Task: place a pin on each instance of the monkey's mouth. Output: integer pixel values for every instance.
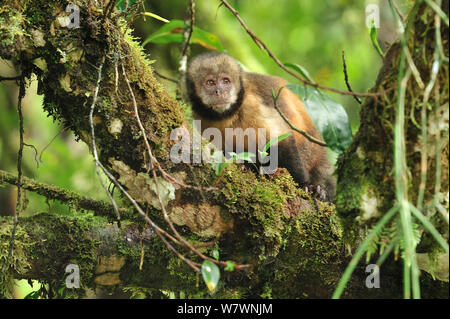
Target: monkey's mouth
(220, 107)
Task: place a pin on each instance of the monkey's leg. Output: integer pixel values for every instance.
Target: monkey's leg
(289, 158)
(325, 183)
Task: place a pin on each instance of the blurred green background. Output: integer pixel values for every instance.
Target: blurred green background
(310, 33)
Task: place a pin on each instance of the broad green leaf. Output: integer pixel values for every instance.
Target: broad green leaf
(328, 116)
(33, 295)
(172, 33)
(211, 274)
(373, 37)
(301, 70)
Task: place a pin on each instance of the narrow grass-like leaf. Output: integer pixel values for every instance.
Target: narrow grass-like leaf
(373, 37)
(275, 140)
(300, 70)
(215, 254)
(360, 252)
(430, 228)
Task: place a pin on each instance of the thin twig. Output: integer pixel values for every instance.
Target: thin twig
(19, 171)
(151, 159)
(305, 134)
(63, 195)
(99, 165)
(51, 141)
(189, 29)
(438, 10)
(187, 34)
(263, 46)
(152, 162)
(10, 78)
(165, 77)
(94, 147)
(35, 153)
(346, 78)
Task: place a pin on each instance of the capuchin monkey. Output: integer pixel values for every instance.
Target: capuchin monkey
(224, 96)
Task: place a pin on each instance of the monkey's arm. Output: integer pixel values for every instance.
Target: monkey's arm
(289, 158)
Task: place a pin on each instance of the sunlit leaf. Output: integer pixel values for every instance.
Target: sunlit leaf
(230, 266)
(172, 33)
(155, 16)
(300, 70)
(210, 274)
(275, 140)
(215, 254)
(244, 156)
(219, 167)
(373, 37)
(328, 116)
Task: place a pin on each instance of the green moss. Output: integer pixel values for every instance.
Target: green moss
(260, 202)
(18, 263)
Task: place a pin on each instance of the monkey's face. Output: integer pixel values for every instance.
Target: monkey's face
(215, 80)
(218, 91)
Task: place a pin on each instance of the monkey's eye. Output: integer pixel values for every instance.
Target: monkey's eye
(210, 82)
(226, 81)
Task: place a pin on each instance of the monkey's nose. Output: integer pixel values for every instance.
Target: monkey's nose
(217, 92)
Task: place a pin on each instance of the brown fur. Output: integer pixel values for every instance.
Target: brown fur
(307, 161)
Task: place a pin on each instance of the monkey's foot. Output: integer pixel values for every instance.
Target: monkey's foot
(317, 192)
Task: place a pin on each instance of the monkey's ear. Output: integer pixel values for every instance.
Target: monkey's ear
(242, 66)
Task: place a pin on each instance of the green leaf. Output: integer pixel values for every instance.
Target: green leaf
(211, 274)
(328, 116)
(275, 140)
(33, 295)
(301, 70)
(230, 266)
(244, 156)
(172, 33)
(373, 37)
(219, 167)
(215, 254)
(262, 155)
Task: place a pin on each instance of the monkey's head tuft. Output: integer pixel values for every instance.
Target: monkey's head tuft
(214, 84)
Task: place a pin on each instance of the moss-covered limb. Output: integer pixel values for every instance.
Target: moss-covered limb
(308, 266)
(66, 62)
(106, 255)
(366, 186)
(68, 197)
